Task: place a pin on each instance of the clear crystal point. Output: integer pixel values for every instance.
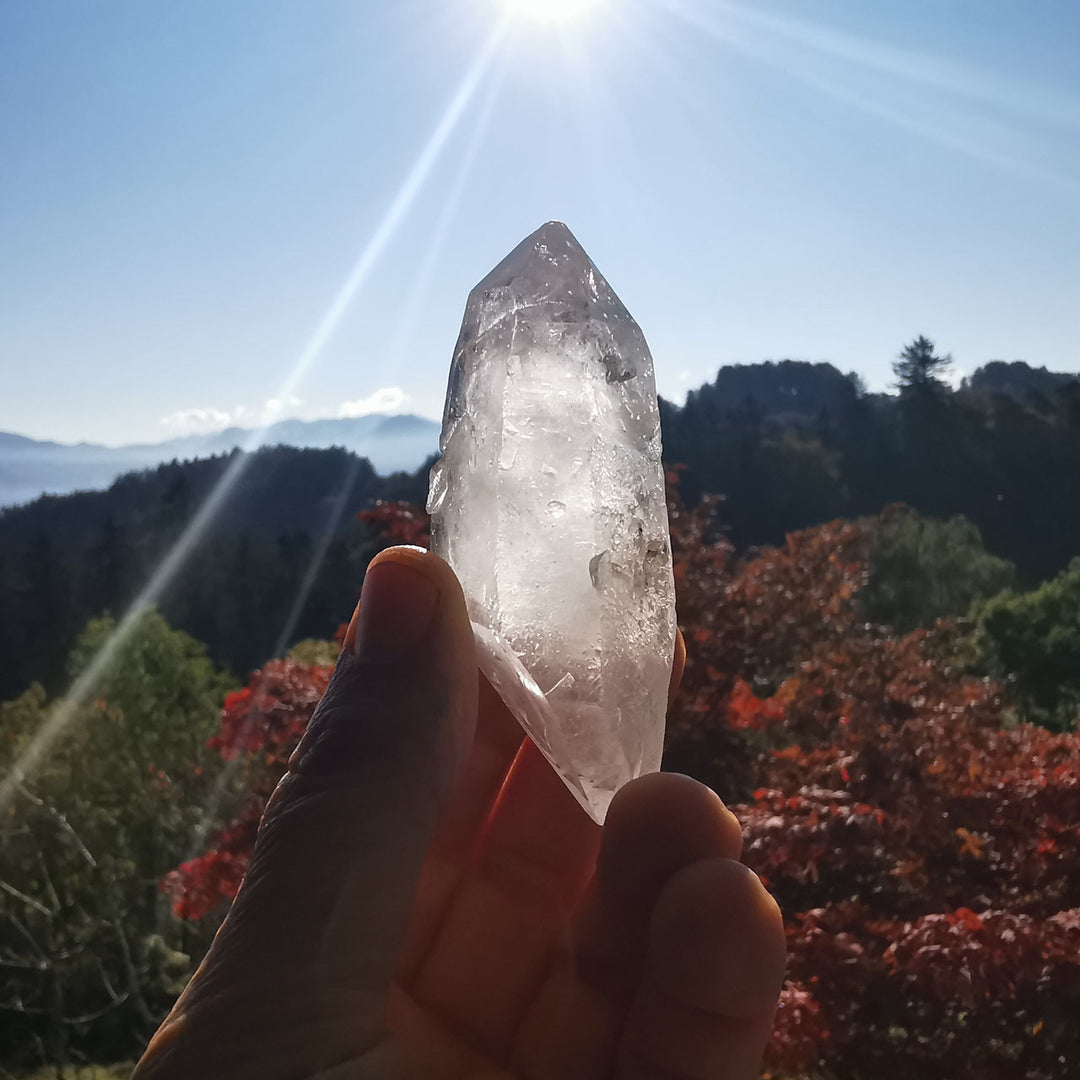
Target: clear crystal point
(548, 502)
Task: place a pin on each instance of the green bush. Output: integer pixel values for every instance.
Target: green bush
(922, 570)
(90, 956)
(1032, 639)
(314, 651)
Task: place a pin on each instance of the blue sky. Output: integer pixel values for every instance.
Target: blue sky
(186, 188)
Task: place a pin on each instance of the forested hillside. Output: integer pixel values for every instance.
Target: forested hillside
(246, 586)
(784, 445)
(792, 444)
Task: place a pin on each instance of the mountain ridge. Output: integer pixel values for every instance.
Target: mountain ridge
(32, 467)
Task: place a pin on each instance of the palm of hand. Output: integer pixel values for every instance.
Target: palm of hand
(547, 948)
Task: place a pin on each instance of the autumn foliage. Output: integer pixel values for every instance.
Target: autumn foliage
(260, 727)
(921, 842)
(922, 845)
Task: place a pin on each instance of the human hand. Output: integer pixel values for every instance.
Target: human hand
(426, 899)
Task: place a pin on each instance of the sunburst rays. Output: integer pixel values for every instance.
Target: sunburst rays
(84, 686)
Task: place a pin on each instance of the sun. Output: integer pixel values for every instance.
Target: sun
(551, 11)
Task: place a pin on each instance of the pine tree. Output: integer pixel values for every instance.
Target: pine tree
(920, 369)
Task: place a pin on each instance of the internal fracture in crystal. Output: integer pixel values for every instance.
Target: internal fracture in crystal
(548, 502)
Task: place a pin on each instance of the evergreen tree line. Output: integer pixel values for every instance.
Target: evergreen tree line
(282, 561)
(792, 444)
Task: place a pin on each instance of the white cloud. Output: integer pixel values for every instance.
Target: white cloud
(197, 421)
(387, 399)
(205, 421)
(276, 406)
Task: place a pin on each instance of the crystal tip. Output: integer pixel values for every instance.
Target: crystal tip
(552, 232)
(548, 256)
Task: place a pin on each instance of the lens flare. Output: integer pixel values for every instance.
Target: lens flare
(65, 711)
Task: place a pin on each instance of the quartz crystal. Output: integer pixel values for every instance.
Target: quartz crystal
(548, 502)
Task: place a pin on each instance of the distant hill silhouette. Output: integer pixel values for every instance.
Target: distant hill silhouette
(782, 388)
(1024, 383)
(32, 467)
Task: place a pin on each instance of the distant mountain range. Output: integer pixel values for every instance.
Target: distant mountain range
(30, 467)
(783, 390)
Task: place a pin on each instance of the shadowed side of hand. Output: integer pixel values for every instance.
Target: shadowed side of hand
(427, 899)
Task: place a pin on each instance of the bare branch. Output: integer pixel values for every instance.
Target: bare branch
(55, 899)
(28, 900)
(64, 823)
(134, 989)
(86, 1018)
(30, 939)
(22, 1009)
(24, 965)
(106, 981)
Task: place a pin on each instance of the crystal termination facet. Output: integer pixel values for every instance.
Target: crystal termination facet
(549, 503)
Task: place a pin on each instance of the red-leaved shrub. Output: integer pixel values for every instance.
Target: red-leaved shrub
(923, 847)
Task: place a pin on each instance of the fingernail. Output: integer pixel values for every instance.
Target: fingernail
(397, 609)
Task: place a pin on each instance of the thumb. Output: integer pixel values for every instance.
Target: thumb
(324, 905)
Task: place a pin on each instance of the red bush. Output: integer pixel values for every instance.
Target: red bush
(921, 846)
(260, 727)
